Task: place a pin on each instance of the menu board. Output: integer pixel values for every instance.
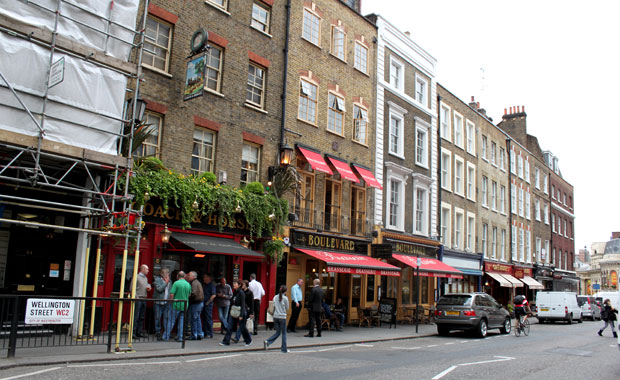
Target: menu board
(387, 311)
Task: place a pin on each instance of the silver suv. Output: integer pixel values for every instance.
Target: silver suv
(589, 308)
(476, 312)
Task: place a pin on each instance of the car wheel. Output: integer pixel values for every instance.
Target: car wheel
(505, 329)
(442, 331)
(580, 320)
(482, 328)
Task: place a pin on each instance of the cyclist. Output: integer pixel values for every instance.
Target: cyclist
(522, 308)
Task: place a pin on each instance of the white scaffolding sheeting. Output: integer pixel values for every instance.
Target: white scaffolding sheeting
(40, 13)
(80, 110)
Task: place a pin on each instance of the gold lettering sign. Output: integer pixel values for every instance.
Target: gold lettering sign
(211, 220)
(330, 242)
(409, 249)
(493, 267)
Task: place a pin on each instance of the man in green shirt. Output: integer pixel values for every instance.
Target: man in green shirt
(180, 292)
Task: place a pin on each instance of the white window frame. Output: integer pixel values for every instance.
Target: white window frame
(256, 87)
(458, 228)
(502, 250)
(528, 246)
(528, 205)
(221, 4)
(153, 141)
(459, 136)
(459, 177)
(494, 243)
(484, 185)
(258, 24)
(425, 209)
(308, 100)
(397, 81)
(527, 170)
(396, 173)
(423, 128)
(470, 234)
(502, 159)
(538, 247)
(493, 153)
(552, 191)
(421, 90)
(445, 128)
(513, 243)
(513, 162)
(537, 178)
(397, 113)
(259, 152)
(546, 184)
(360, 124)
(446, 224)
(470, 182)
(167, 49)
(513, 198)
(360, 60)
(202, 158)
(547, 253)
(446, 170)
(493, 195)
(520, 166)
(537, 209)
(484, 239)
(521, 201)
(521, 245)
(308, 31)
(546, 214)
(335, 115)
(502, 199)
(470, 130)
(340, 54)
(483, 148)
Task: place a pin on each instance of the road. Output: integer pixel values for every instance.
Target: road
(557, 351)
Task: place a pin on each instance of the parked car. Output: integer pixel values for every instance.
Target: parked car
(558, 306)
(589, 307)
(476, 312)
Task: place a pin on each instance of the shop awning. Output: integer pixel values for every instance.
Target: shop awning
(211, 244)
(513, 280)
(344, 170)
(429, 267)
(315, 160)
(531, 283)
(499, 278)
(354, 264)
(470, 272)
(368, 177)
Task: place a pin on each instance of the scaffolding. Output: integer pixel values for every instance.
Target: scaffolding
(40, 164)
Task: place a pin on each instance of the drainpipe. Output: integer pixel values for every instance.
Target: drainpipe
(284, 76)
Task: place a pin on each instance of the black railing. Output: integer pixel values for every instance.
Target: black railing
(334, 222)
(88, 328)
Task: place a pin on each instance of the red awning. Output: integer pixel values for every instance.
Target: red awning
(316, 161)
(368, 177)
(429, 267)
(344, 170)
(354, 264)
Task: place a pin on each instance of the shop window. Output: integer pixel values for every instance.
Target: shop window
(333, 207)
(424, 286)
(370, 288)
(304, 197)
(406, 289)
(356, 290)
(358, 210)
(390, 286)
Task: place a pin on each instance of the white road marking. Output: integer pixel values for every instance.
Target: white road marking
(364, 345)
(334, 348)
(119, 364)
(31, 373)
(406, 348)
(432, 345)
(449, 343)
(303, 351)
(212, 358)
(444, 373)
(452, 368)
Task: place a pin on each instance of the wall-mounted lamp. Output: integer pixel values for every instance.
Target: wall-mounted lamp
(165, 234)
(140, 108)
(245, 243)
(286, 155)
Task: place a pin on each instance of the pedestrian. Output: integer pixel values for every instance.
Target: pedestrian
(223, 294)
(249, 307)
(340, 311)
(280, 302)
(208, 290)
(315, 303)
(161, 291)
(180, 291)
(296, 297)
(609, 316)
(331, 317)
(196, 303)
(237, 316)
(258, 291)
(142, 287)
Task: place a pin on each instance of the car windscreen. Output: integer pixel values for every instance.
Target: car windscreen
(455, 300)
(583, 300)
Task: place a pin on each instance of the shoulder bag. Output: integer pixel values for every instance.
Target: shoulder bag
(235, 311)
(272, 307)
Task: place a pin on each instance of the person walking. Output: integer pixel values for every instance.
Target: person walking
(237, 316)
(196, 303)
(142, 287)
(180, 291)
(297, 304)
(249, 307)
(609, 316)
(280, 302)
(223, 294)
(258, 291)
(208, 290)
(162, 285)
(315, 304)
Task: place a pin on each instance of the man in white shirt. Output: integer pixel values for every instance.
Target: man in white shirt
(258, 291)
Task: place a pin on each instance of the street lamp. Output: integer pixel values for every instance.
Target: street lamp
(165, 234)
(286, 155)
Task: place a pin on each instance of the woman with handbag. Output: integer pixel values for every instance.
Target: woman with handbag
(609, 316)
(249, 308)
(280, 307)
(237, 316)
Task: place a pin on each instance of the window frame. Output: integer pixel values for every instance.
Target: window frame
(145, 144)
(301, 202)
(421, 127)
(493, 252)
(311, 36)
(362, 109)
(483, 148)
(310, 101)
(335, 182)
(399, 203)
(493, 153)
(470, 234)
(422, 83)
(446, 225)
(446, 170)
(332, 113)
(493, 195)
(223, 6)
(210, 161)
(485, 239)
(425, 210)
(470, 182)
(470, 130)
(267, 24)
(396, 112)
(167, 49)
(459, 138)
(502, 159)
(458, 241)
(446, 122)
(357, 57)
(397, 82)
(332, 43)
(459, 177)
(484, 189)
(355, 212)
(256, 67)
(209, 68)
(259, 149)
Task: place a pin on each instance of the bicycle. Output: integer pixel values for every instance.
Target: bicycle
(522, 327)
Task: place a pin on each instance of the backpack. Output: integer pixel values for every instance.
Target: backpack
(518, 300)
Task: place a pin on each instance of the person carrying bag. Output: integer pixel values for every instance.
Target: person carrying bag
(609, 316)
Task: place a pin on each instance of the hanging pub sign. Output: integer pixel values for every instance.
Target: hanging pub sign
(195, 77)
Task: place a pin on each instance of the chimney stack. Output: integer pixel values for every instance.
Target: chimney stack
(473, 104)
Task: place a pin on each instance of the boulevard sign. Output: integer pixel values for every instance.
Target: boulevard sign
(49, 311)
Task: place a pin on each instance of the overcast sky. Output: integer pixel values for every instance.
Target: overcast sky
(559, 59)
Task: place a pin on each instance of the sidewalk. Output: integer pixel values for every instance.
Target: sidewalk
(80, 354)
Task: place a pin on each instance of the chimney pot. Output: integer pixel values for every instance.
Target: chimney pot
(523, 108)
(511, 111)
(505, 111)
(472, 98)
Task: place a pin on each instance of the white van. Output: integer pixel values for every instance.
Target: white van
(558, 306)
(614, 297)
